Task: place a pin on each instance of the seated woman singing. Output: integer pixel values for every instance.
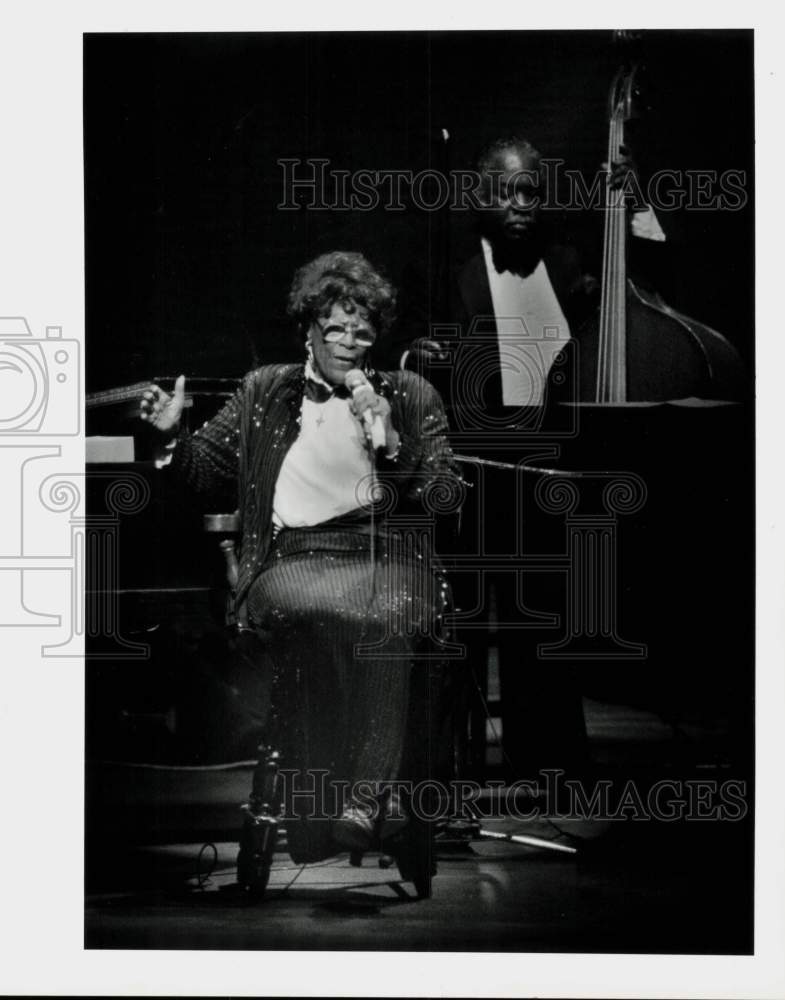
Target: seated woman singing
(340, 472)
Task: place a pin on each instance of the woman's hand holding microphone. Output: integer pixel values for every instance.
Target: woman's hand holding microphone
(373, 412)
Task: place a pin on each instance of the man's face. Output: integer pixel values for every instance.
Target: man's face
(340, 341)
(510, 189)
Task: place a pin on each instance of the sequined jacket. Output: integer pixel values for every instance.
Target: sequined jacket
(244, 445)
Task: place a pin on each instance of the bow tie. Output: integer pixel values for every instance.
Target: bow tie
(318, 392)
(518, 260)
(522, 268)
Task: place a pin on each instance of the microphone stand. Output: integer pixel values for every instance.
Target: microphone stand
(468, 830)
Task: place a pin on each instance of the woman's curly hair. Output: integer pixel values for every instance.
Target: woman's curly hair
(344, 277)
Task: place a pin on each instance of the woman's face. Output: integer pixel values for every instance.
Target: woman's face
(340, 342)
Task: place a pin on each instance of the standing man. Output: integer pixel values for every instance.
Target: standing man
(520, 286)
(497, 340)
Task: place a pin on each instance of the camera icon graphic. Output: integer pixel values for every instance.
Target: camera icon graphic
(39, 380)
(504, 357)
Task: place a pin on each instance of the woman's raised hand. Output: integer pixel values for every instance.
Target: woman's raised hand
(161, 410)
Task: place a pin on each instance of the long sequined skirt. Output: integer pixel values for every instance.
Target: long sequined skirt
(354, 623)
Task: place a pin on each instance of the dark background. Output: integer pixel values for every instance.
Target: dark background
(188, 263)
(188, 259)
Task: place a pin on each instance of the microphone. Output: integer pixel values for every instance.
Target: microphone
(355, 381)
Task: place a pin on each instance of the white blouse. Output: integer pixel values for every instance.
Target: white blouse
(328, 470)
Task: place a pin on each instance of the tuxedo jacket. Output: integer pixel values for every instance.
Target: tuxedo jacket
(460, 315)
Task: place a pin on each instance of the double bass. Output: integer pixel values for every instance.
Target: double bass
(641, 350)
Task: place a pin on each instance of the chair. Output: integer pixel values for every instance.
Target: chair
(413, 848)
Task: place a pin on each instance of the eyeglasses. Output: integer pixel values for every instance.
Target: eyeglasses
(333, 333)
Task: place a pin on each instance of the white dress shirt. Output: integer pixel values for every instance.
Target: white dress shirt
(530, 324)
(531, 329)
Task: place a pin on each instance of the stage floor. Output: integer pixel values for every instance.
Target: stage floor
(649, 887)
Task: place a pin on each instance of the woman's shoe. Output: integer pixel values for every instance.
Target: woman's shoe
(354, 830)
(358, 831)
